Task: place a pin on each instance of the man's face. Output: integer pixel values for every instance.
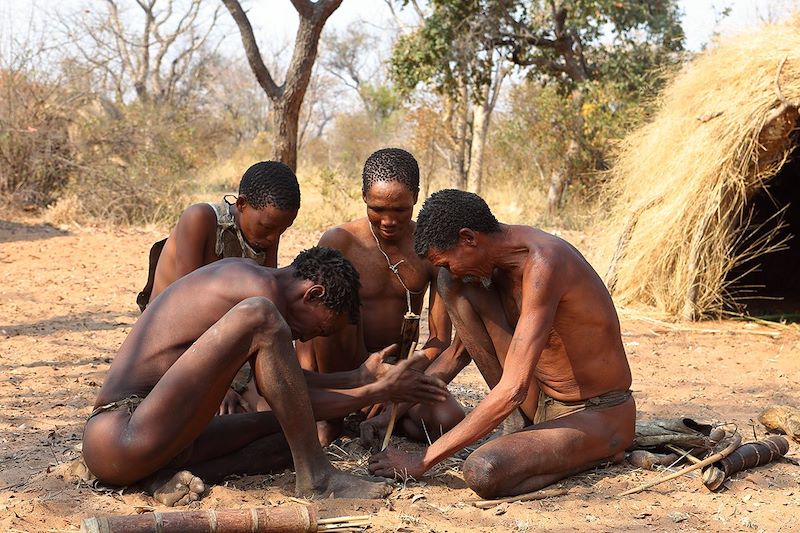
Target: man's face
(464, 262)
(316, 320)
(390, 205)
(262, 228)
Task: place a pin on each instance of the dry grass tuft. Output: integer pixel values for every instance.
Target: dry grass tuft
(680, 185)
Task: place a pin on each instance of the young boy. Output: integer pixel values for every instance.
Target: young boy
(268, 201)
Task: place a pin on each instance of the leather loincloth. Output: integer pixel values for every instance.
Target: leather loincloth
(130, 403)
(550, 408)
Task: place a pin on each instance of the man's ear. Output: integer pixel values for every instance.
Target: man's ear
(314, 294)
(467, 237)
(241, 201)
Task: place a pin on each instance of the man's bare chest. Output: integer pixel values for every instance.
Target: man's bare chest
(380, 278)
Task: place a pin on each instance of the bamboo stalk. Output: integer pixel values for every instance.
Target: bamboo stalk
(527, 497)
(736, 441)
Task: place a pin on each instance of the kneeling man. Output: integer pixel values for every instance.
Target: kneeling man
(542, 329)
(156, 408)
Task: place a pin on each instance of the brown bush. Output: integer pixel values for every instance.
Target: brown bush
(35, 153)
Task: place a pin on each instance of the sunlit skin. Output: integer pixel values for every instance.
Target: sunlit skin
(181, 356)
(390, 207)
(191, 244)
(546, 322)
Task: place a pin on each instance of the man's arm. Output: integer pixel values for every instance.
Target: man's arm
(196, 225)
(540, 298)
(399, 383)
(439, 325)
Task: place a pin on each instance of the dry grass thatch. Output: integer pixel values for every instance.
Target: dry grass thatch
(680, 185)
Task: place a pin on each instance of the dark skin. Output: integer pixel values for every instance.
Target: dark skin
(390, 206)
(191, 245)
(546, 323)
(181, 357)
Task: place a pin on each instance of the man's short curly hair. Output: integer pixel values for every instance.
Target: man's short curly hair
(391, 164)
(445, 213)
(329, 268)
(270, 183)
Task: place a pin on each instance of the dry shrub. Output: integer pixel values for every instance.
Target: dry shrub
(35, 154)
(222, 176)
(330, 196)
(680, 184)
(138, 166)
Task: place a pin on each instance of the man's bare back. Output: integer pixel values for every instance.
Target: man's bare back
(156, 408)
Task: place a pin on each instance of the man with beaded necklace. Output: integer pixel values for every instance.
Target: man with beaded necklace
(394, 281)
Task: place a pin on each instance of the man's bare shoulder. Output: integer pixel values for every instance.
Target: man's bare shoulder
(344, 236)
(242, 277)
(198, 218)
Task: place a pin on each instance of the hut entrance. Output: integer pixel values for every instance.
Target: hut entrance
(769, 285)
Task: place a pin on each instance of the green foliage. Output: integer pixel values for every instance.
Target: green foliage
(616, 40)
(453, 47)
(382, 100)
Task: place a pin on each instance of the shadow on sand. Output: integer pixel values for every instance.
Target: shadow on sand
(18, 231)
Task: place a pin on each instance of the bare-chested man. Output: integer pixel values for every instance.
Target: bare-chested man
(542, 329)
(156, 407)
(393, 281)
(269, 197)
(267, 204)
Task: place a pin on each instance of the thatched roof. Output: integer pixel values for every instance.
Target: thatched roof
(679, 186)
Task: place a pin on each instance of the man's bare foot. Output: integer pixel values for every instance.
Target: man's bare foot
(338, 484)
(174, 489)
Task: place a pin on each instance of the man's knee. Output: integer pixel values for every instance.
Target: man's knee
(483, 474)
(445, 416)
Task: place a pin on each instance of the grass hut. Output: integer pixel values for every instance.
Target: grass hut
(705, 199)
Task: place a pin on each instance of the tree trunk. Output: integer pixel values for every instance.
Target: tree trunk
(560, 178)
(460, 148)
(284, 141)
(287, 98)
(480, 130)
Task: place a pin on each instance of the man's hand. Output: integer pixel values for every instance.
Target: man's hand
(393, 463)
(233, 403)
(374, 368)
(373, 429)
(402, 383)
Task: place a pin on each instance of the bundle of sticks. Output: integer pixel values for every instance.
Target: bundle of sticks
(289, 518)
(719, 466)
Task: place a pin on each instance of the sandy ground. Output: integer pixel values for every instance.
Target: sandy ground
(67, 299)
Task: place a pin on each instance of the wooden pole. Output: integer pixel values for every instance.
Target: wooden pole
(291, 518)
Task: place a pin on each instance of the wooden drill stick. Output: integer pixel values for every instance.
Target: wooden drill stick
(408, 342)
